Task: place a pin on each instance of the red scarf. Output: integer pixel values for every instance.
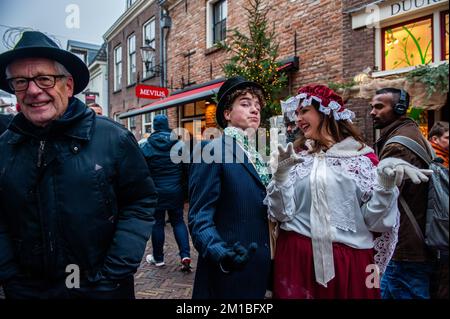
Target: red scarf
(440, 152)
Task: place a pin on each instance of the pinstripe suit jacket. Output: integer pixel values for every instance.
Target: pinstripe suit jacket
(226, 206)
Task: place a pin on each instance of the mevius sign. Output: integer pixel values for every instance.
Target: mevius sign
(151, 92)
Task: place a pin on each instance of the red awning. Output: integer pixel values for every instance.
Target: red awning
(180, 98)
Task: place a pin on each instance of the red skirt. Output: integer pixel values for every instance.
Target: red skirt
(294, 276)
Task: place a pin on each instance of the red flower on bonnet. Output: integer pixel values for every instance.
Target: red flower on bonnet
(328, 100)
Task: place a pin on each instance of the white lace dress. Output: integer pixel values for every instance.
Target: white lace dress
(333, 196)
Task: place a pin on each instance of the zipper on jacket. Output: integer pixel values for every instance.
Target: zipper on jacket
(50, 240)
(40, 153)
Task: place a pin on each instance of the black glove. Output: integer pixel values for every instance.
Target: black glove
(237, 257)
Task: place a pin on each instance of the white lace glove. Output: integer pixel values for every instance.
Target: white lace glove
(281, 162)
(392, 171)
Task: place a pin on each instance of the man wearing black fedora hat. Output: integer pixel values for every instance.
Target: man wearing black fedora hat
(76, 197)
(227, 217)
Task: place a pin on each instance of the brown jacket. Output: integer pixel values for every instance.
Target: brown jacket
(409, 246)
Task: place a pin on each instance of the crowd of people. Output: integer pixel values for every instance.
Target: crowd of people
(323, 218)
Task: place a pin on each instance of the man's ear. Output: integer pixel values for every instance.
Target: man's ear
(69, 85)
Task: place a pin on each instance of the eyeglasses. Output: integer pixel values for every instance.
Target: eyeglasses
(42, 81)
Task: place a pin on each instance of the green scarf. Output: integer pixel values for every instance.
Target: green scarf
(256, 158)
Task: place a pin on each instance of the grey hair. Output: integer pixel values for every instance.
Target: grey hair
(60, 69)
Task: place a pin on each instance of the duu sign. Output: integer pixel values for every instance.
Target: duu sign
(408, 5)
(376, 12)
(151, 92)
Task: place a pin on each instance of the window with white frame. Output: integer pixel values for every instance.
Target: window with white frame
(117, 68)
(444, 35)
(216, 16)
(149, 40)
(131, 59)
(130, 3)
(132, 124)
(147, 121)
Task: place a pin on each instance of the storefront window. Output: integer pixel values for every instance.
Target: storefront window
(194, 114)
(189, 110)
(191, 129)
(194, 109)
(408, 44)
(132, 124)
(147, 121)
(444, 35)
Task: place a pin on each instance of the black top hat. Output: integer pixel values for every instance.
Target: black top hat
(228, 87)
(34, 44)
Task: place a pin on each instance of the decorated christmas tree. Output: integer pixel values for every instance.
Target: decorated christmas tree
(255, 54)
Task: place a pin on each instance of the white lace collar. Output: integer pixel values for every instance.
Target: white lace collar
(349, 147)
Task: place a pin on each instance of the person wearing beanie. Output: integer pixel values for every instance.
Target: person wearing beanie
(227, 216)
(168, 177)
(330, 199)
(76, 197)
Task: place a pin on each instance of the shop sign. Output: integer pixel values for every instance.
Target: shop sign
(151, 92)
(372, 14)
(90, 98)
(410, 5)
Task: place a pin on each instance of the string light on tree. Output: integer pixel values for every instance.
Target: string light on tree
(255, 55)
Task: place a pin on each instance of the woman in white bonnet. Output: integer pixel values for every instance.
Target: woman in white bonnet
(335, 203)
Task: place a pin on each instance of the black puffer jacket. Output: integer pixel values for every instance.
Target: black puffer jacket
(5, 119)
(77, 192)
(167, 174)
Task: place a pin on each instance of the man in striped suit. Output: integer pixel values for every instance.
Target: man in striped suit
(227, 217)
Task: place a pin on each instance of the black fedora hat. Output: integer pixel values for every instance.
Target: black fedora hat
(228, 87)
(35, 44)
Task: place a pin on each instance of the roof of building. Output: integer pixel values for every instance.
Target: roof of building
(101, 54)
(91, 49)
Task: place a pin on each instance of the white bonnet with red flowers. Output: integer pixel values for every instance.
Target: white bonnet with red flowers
(328, 100)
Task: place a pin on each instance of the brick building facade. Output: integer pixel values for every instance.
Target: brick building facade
(378, 38)
(122, 97)
(320, 33)
(301, 23)
(358, 54)
(192, 61)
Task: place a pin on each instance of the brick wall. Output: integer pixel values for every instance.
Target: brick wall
(358, 54)
(328, 49)
(188, 34)
(172, 114)
(125, 99)
(318, 45)
(320, 61)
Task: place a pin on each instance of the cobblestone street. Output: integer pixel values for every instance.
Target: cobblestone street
(167, 282)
